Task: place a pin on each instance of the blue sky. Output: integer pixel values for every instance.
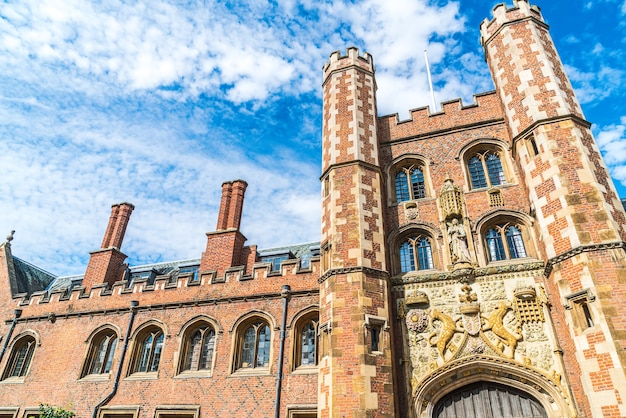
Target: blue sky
(159, 102)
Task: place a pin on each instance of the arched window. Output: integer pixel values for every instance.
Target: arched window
(306, 340)
(485, 169)
(505, 241)
(198, 348)
(416, 254)
(253, 345)
(20, 358)
(410, 184)
(147, 353)
(101, 351)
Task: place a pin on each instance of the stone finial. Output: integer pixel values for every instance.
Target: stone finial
(10, 237)
(451, 200)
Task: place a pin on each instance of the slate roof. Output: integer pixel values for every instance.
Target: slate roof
(30, 278)
(302, 251)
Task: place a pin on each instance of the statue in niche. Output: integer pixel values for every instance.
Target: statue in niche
(458, 242)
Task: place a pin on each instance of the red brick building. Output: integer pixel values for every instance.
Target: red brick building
(471, 263)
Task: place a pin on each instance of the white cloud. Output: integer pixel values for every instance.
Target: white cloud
(592, 86)
(612, 142)
(158, 103)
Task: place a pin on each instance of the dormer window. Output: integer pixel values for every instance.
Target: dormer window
(275, 259)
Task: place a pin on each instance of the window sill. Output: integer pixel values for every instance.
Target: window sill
(259, 371)
(484, 189)
(96, 377)
(305, 370)
(509, 261)
(14, 380)
(143, 376)
(189, 374)
(403, 202)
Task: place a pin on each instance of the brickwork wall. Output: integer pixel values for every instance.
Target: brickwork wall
(64, 345)
(353, 380)
(105, 266)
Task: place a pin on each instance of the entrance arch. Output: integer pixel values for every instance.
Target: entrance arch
(488, 400)
(457, 375)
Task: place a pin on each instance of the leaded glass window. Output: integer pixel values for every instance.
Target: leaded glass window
(101, 353)
(149, 353)
(21, 357)
(410, 184)
(199, 349)
(485, 170)
(416, 254)
(505, 241)
(255, 346)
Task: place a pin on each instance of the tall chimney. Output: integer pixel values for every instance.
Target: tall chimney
(236, 204)
(225, 246)
(106, 265)
(222, 217)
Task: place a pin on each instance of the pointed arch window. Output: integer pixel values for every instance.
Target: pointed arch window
(306, 341)
(254, 345)
(21, 357)
(147, 354)
(505, 241)
(100, 355)
(416, 254)
(199, 348)
(485, 169)
(410, 184)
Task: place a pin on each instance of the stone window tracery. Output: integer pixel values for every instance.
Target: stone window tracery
(410, 184)
(505, 241)
(20, 358)
(101, 352)
(253, 345)
(198, 348)
(486, 165)
(306, 340)
(148, 349)
(416, 254)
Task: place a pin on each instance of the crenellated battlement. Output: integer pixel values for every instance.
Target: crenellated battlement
(352, 58)
(502, 15)
(453, 115)
(185, 287)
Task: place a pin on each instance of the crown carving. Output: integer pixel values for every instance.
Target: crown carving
(417, 298)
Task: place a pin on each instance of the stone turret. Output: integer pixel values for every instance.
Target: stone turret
(577, 208)
(355, 369)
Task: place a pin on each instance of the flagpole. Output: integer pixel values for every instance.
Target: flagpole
(430, 83)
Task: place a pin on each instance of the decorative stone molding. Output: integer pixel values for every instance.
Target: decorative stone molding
(357, 269)
(579, 250)
(468, 273)
(451, 200)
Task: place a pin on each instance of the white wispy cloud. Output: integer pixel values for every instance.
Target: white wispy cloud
(158, 102)
(612, 142)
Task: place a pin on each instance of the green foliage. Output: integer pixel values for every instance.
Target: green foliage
(47, 411)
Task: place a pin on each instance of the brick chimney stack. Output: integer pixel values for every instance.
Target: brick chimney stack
(225, 246)
(114, 235)
(231, 205)
(106, 265)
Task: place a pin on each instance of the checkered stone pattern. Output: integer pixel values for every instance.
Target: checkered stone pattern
(352, 213)
(575, 202)
(527, 70)
(353, 380)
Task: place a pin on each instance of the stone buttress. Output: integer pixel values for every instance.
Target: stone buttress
(579, 216)
(355, 369)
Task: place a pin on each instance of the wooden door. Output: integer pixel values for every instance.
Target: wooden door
(488, 400)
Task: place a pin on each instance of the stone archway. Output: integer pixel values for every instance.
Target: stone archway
(488, 400)
(457, 375)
